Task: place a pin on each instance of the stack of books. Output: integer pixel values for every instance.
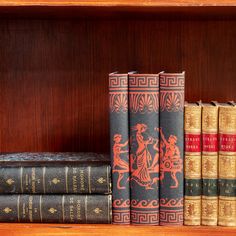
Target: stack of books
(55, 188)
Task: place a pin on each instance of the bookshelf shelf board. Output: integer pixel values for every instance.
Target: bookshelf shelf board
(68, 229)
(215, 9)
(131, 3)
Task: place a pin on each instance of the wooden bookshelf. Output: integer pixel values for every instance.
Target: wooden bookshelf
(56, 55)
(65, 229)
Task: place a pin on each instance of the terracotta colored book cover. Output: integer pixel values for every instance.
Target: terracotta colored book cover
(144, 148)
(119, 147)
(209, 163)
(192, 164)
(227, 165)
(171, 148)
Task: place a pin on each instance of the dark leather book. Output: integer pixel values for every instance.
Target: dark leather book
(56, 209)
(56, 180)
(53, 158)
(144, 148)
(171, 148)
(119, 147)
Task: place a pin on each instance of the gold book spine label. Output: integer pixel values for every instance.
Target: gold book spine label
(192, 210)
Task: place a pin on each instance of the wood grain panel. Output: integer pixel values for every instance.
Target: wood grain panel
(53, 73)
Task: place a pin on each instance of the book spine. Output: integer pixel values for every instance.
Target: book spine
(209, 165)
(144, 148)
(55, 180)
(192, 164)
(119, 147)
(171, 148)
(55, 208)
(227, 166)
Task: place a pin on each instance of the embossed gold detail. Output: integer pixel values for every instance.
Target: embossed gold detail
(209, 210)
(193, 118)
(55, 181)
(227, 212)
(209, 166)
(52, 210)
(97, 210)
(227, 119)
(192, 210)
(101, 180)
(227, 166)
(10, 181)
(209, 119)
(7, 210)
(192, 167)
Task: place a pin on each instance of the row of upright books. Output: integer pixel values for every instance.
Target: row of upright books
(210, 164)
(173, 181)
(55, 188)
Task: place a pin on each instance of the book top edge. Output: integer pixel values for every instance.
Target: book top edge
(41, 158)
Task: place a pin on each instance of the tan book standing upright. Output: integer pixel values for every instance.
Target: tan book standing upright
(192, 199)
(227, 165)
(209, 163)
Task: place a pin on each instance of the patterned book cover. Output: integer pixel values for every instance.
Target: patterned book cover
(119, 147)
(75, 208)
(227, 165)
(144, 148)
(171, 148)
(192, 164)
(209, 164)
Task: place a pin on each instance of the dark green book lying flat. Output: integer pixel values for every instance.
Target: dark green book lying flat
(56, 209)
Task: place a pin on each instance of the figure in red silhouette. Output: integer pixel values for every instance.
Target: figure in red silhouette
(143, 158)
(123, 166)
(171, 160)
(155, 164)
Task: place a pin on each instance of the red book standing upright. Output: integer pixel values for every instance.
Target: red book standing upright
(171, 148)
(119, 146)
(144, 148)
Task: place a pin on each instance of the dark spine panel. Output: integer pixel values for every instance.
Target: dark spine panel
(55, 180)
(171, 148)
(144, 148)
(119, 147)
(56, 208)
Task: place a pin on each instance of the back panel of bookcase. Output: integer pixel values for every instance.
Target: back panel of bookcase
(53, 73)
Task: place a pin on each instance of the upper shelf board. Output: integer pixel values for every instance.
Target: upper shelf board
(121, 3)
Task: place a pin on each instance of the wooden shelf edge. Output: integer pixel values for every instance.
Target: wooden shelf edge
(76, 229)
(120, 3)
